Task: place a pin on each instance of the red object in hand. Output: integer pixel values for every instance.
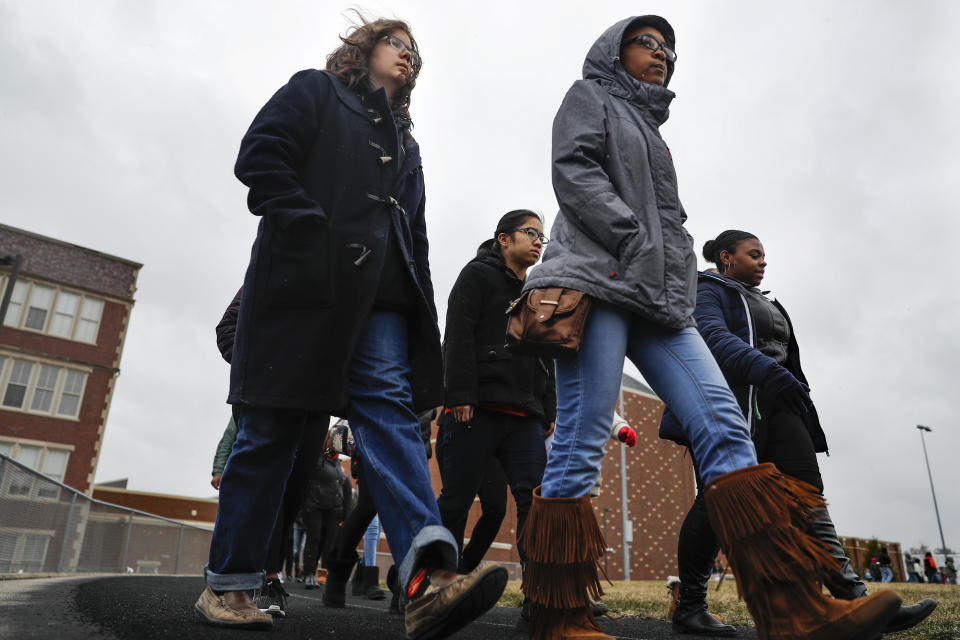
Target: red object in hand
(627, 436)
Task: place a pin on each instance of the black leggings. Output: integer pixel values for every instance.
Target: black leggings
(493, 505)
(359, 519)
(466, 448)
(780, 437)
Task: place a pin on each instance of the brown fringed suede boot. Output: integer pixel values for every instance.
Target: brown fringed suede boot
(759, 517)
(563, 544)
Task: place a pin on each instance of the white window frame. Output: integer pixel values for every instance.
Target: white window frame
(33, 492)
(83, 298)
(20, 543)
(6, 366)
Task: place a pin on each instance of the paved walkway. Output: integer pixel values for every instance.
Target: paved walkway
(149, 607)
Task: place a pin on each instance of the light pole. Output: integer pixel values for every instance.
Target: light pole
(606, 554)
(943, 544)
(627, 535)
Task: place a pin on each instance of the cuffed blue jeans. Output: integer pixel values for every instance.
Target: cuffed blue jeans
(682, 372)
(387, 433)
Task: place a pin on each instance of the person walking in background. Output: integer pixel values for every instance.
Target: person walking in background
(355, 527)
(753, 341)
(909, 562)
(619, 239)
(499, 405)
(337, 316)
(886, 573)
(224, 447)
(949, 571)
(930, 568)
(323, 511)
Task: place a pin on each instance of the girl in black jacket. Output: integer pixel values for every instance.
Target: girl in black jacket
(753, 340)
(498, 404)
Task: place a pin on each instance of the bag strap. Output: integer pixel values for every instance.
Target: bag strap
(549, 303)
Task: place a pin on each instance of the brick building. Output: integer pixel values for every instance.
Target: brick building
(60, 347)
(196, 511)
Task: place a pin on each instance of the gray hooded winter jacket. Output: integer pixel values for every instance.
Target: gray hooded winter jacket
(619, 235)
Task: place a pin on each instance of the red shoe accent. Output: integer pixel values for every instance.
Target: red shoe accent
(416, 583)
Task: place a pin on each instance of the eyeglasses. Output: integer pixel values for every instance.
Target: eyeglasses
(533, 234)
(653, 44)
(402, 47)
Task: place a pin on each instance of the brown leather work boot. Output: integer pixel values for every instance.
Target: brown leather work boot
(437, 612)
(231, 609)
(757, 514)
(563, 544)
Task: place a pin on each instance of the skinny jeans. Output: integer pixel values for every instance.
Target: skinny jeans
(682, 372)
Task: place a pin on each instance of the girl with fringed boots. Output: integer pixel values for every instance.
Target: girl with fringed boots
(619, 238)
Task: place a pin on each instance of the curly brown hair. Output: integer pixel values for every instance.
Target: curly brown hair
(349, 61)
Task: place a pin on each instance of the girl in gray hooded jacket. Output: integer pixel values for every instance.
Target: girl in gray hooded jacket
(619, 237)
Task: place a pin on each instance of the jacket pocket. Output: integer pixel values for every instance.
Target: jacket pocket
(493, 362)
(299, 273)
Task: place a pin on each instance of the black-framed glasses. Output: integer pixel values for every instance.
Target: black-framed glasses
(648, 41)
(401, 46)
(533, 234)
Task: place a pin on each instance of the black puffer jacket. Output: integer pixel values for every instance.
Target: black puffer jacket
(478, 368)
(327, 486)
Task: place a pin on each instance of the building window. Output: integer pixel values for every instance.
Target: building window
(23, 551)
(12, 319)
(64, 314)
(45, 388)
(40, 387)
(57, 312)
(48, 460)
(38, 308)
(72, 392)
(17, 383)
(89, 323)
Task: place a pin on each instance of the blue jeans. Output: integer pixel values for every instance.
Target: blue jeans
(251, 492)
(388, 434)
(370, 541)
(681, 370)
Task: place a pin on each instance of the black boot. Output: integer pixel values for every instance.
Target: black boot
(338, 573)
(371, 583)
(393, 583)
(843, 584)
(696, 551)
(691, 615)
(356, 584)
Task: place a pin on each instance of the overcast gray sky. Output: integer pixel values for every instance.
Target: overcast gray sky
(829, 129)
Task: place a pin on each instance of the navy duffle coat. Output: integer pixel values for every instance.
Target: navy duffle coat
(331, 174)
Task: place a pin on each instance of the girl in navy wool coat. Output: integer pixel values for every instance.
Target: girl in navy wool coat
(337, 317)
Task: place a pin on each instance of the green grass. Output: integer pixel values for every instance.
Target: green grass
(649, 599)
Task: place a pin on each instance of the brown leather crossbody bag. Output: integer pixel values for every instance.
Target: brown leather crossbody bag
(547, 322)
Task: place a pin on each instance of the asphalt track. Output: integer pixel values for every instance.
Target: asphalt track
(149, 607)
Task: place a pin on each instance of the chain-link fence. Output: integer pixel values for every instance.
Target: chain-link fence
(48, 527)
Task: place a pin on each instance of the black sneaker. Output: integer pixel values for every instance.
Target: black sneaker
(272, 598)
